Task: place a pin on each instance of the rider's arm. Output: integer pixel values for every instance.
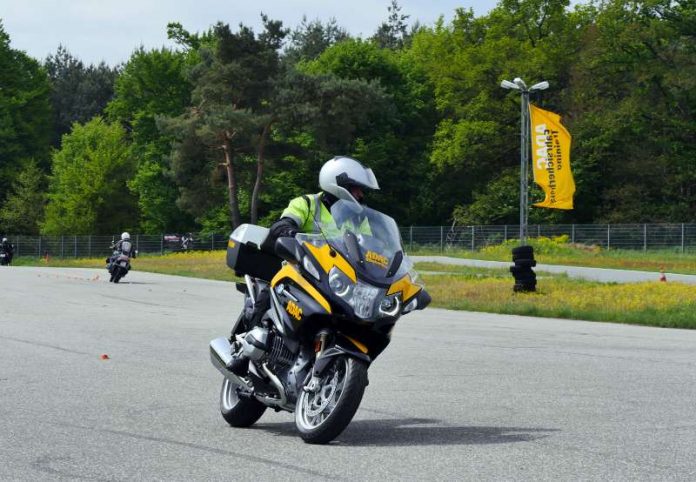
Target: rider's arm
(283, 228)
(298, 211)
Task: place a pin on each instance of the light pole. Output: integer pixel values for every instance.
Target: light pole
(518, 84)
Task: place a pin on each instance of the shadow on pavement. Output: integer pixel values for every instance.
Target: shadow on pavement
(418, 431)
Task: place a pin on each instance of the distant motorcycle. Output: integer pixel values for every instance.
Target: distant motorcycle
(118, 267)
(187, 242)
(118, 264)
(6, 252)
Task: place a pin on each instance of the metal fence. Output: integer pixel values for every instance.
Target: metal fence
(677, 237)
(97, 246)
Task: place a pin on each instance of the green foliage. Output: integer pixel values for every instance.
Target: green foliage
(78, 93)
(25, 113)
(632, 93)
(393, 138)
(233, 121)
(24, 208)
(153, 83)
(392, 33)
(311, 38)
(87, 192)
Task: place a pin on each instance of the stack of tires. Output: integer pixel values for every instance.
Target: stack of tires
(525, 278)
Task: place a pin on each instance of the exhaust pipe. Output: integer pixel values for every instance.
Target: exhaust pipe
(221, 357)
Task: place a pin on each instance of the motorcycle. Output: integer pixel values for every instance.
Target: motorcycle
(118, 266)
(4, 258)
(335, 299)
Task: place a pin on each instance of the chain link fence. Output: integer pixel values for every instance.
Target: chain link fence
(677, 237)
(98, 246)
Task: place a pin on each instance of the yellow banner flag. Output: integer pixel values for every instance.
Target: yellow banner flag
(551, 159)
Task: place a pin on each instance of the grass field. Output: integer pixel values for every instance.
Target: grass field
(476, 289)
(197, 264)
(558, 296)
(550, 251)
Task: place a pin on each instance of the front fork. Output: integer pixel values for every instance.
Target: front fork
(327, 347)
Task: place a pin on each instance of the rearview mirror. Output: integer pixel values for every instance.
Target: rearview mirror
(288, 249)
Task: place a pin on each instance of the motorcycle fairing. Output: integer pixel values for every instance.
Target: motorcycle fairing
(289, 272)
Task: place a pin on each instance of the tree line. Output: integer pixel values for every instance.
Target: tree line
(232, 123)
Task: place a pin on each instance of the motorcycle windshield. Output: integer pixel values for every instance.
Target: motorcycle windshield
(369, 239)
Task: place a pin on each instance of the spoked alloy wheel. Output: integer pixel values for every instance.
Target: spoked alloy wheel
(322, 415)
(238, 411)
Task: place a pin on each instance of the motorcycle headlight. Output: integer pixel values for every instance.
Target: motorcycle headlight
(390, 305)
(412, 305)
(339, 283)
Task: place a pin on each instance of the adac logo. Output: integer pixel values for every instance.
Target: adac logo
(374, 258)
(294, 310)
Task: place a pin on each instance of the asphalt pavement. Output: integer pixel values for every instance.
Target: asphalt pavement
(595, 274)
(456, 396)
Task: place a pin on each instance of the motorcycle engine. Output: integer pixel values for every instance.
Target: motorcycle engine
(279, 356)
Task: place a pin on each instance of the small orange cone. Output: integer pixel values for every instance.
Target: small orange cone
(104, 356)
(662, 274)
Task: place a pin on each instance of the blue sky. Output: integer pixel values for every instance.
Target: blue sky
(96, 30)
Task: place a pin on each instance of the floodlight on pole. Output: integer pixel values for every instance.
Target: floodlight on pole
(540, 86)
(519, 85)
(506, 84)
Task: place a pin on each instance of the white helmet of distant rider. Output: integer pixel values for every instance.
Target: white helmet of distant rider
(346, 178)
(125, 235)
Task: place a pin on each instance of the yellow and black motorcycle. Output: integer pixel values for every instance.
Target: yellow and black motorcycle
(335, 298)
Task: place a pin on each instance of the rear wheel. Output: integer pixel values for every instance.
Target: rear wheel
(237, 410)
(322, 414)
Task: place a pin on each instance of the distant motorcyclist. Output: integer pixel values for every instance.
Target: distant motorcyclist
(187, 241)
(123, 246)
(7, 248)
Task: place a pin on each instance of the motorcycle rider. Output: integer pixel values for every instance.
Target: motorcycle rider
(187, 241)
(8, 249)
(123, 246)
(339, 178)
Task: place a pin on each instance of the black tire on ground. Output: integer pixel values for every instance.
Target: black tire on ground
(520, 270)
(348, 403)
(118, 273)
(525, 278)
(523, 288)
(523, 250)
(244, 413)
(529, 263)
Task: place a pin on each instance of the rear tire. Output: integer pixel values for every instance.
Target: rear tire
(320, 426)
(238, 411)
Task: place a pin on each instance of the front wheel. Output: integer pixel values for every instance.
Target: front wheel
(322, 414)
(237, 410)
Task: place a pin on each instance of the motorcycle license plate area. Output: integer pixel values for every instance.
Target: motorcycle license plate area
(364, 300)
(123, 263)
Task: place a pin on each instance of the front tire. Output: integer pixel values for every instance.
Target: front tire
(238, 411)
(321, 416)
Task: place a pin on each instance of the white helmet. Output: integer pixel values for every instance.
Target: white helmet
(125, 235)
(342, 172)
(4, 240)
